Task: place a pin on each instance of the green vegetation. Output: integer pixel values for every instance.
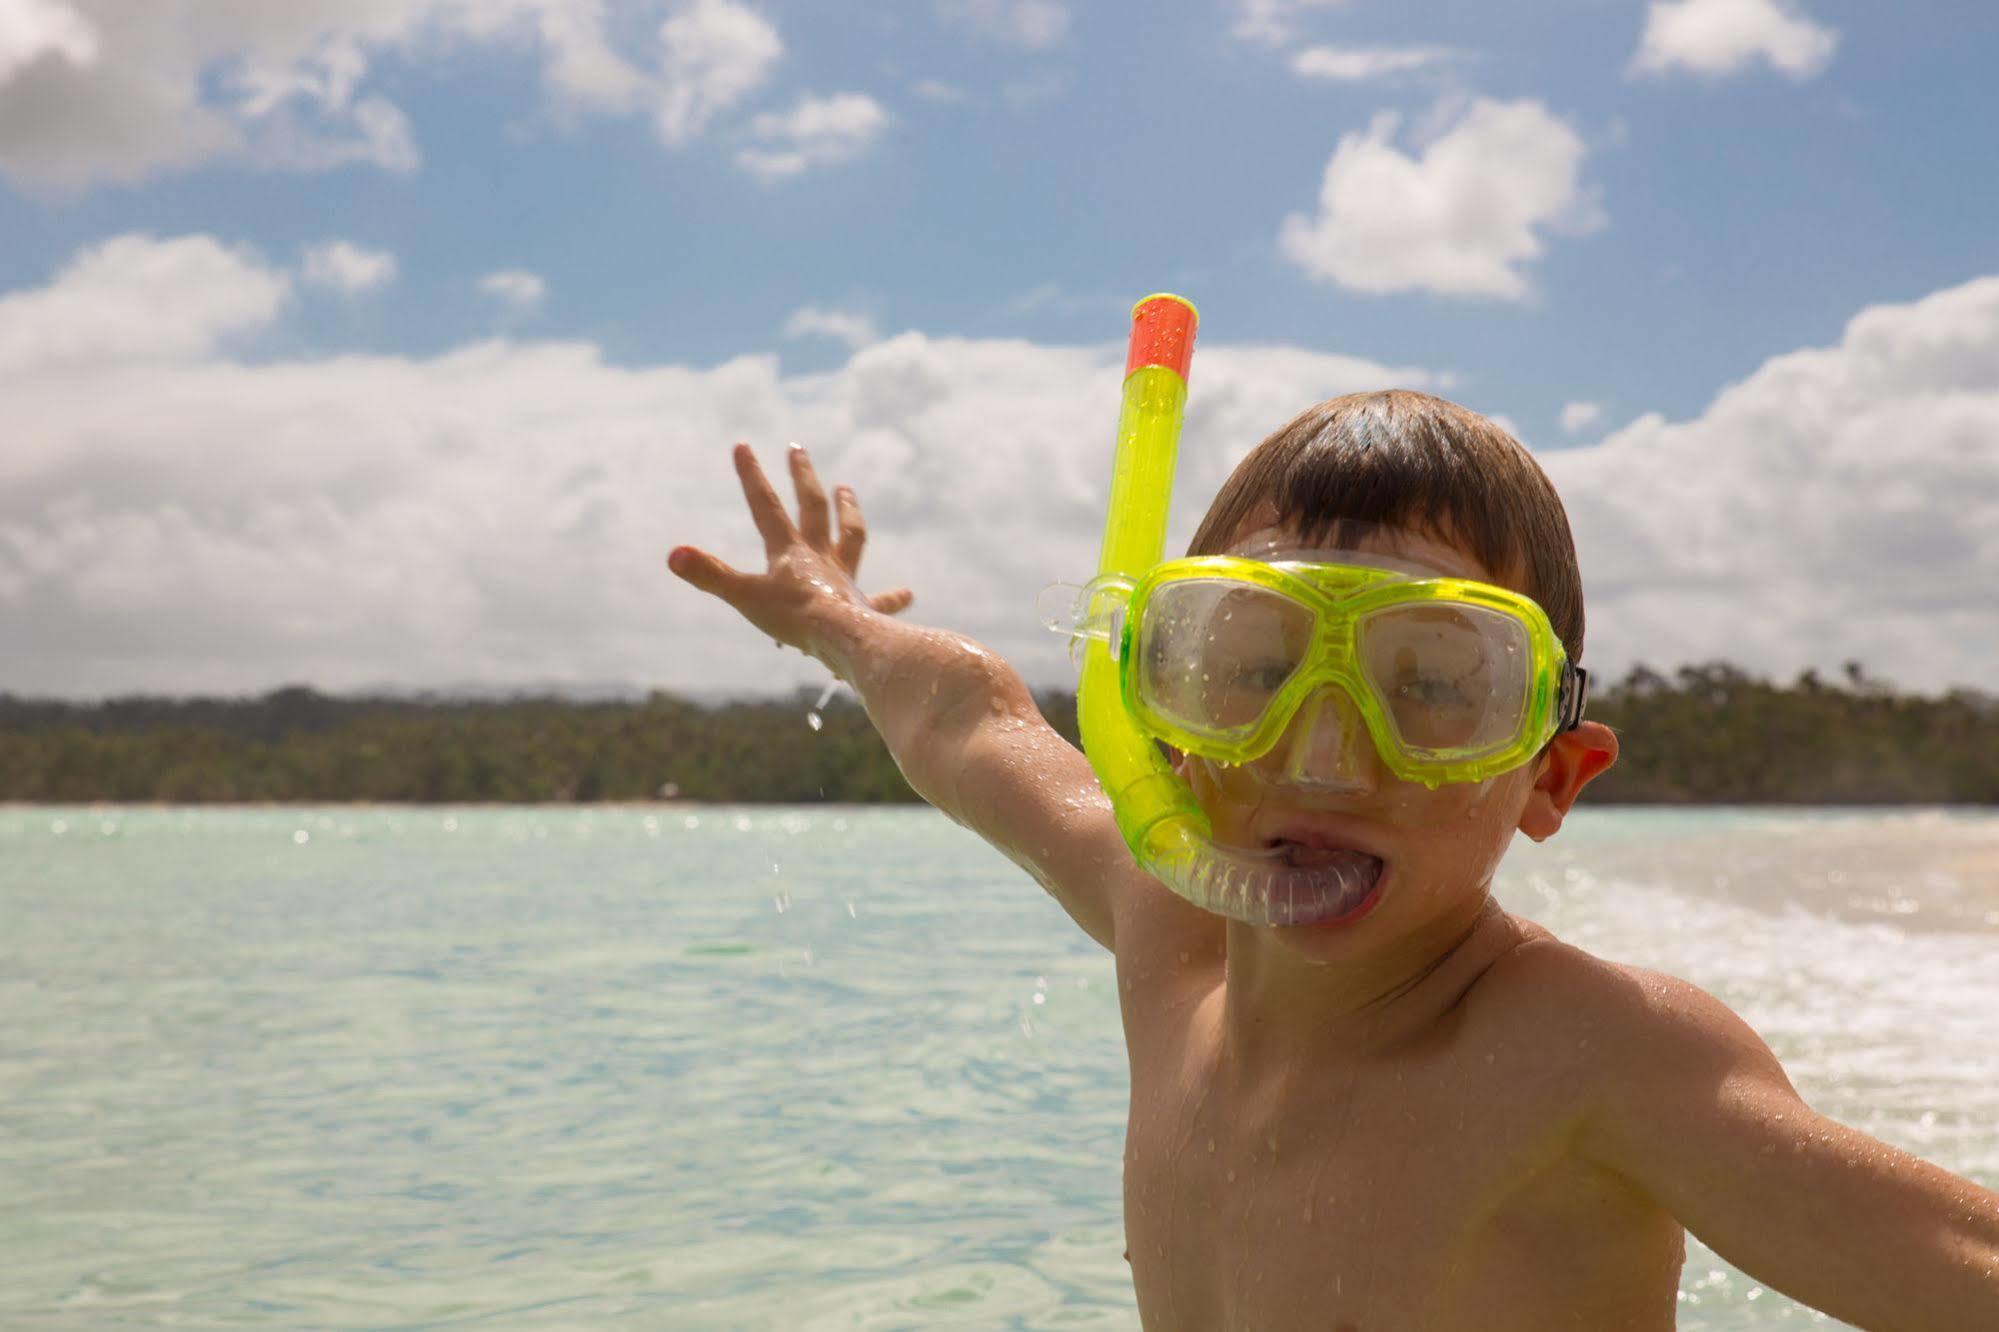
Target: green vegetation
(1707, 734)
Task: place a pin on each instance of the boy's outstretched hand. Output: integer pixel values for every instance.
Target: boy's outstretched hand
(812, 566)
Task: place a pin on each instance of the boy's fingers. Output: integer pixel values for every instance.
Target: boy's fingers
(707, 573)
(765, 507)
(853, 530)
(892, 602)
(814, 523)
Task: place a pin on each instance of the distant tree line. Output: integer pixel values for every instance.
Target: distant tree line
(1705, 734)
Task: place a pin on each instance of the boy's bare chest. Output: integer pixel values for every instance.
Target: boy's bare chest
(1407, 1197)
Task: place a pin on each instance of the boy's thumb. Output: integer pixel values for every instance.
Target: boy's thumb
(703, 570)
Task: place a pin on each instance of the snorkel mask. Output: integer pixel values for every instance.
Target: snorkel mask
(1405, 681)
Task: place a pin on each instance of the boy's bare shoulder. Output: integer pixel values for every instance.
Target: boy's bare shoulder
(1597, 1017)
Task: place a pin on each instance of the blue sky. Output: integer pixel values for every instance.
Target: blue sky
(248, 269)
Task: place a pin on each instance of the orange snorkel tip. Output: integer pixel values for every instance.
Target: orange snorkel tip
(1162, 334)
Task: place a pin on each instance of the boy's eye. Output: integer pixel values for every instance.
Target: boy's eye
(1432, 691)
(1267, 676)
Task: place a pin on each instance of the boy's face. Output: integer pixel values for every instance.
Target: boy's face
(1438, 847)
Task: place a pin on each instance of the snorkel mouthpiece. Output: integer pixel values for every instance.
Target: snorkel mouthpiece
(1161, 821)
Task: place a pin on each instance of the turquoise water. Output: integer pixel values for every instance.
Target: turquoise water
(764, 1068)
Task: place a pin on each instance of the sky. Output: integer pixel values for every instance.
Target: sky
(393, 343)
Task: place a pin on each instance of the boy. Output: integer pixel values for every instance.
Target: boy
(1421, 1112)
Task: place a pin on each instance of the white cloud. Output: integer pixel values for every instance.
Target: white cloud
(1840, 503)
(32, 30)
(347, 268)
(717, 52)
(1580, 416)
(1361, 64)
(95, 91)
(172, 518)
(855, 330)
(515, 288)
(1270, 22)
(1033, 24)
(502, 512)
(816, 132)
(1461, 219)
(1721, 37)
(134, 299)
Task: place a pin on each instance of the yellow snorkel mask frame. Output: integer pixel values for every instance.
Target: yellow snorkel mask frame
(1341, 602)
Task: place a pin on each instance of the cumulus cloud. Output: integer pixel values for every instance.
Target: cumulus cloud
(135, 299)
(1580, 416)
(1273, 22)
(1363, 64)
(347, 268)
(32, 30)
(717, 53)
(103, 90)
(515, 288)
(812, 322)
(1460, 219)
(502, 512)
(816, 132)
(1720, 37)
(1840, 503)
(174, 517)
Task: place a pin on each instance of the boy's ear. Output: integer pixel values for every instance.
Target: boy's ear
(1572, 761)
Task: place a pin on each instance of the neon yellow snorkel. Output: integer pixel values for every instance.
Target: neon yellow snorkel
(1168, 832)
(1156, 812)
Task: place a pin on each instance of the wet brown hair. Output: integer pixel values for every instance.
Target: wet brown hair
(1407, 459)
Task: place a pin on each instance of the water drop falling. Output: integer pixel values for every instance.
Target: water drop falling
(814, 720)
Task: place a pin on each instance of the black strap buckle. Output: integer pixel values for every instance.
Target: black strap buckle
(1574, 695)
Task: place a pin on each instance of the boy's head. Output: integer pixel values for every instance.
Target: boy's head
(1413, 463)
(1408, 481)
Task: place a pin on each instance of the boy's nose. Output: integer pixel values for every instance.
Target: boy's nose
(1327, 746)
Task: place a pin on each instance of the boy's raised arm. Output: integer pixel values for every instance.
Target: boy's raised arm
(959, 721)
(1703, 1118)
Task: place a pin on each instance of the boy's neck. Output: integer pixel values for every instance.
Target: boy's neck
(1283, 1014)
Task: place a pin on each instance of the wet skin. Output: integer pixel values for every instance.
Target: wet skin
(1363, 1123)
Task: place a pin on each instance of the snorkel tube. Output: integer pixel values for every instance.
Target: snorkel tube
(1162, 823)
(1155, 810)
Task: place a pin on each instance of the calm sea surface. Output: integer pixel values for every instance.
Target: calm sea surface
(765, 1068)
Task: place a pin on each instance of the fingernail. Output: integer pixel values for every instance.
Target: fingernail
(796, 447)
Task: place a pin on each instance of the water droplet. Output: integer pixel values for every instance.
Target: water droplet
(301, 837)
(814, 720)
